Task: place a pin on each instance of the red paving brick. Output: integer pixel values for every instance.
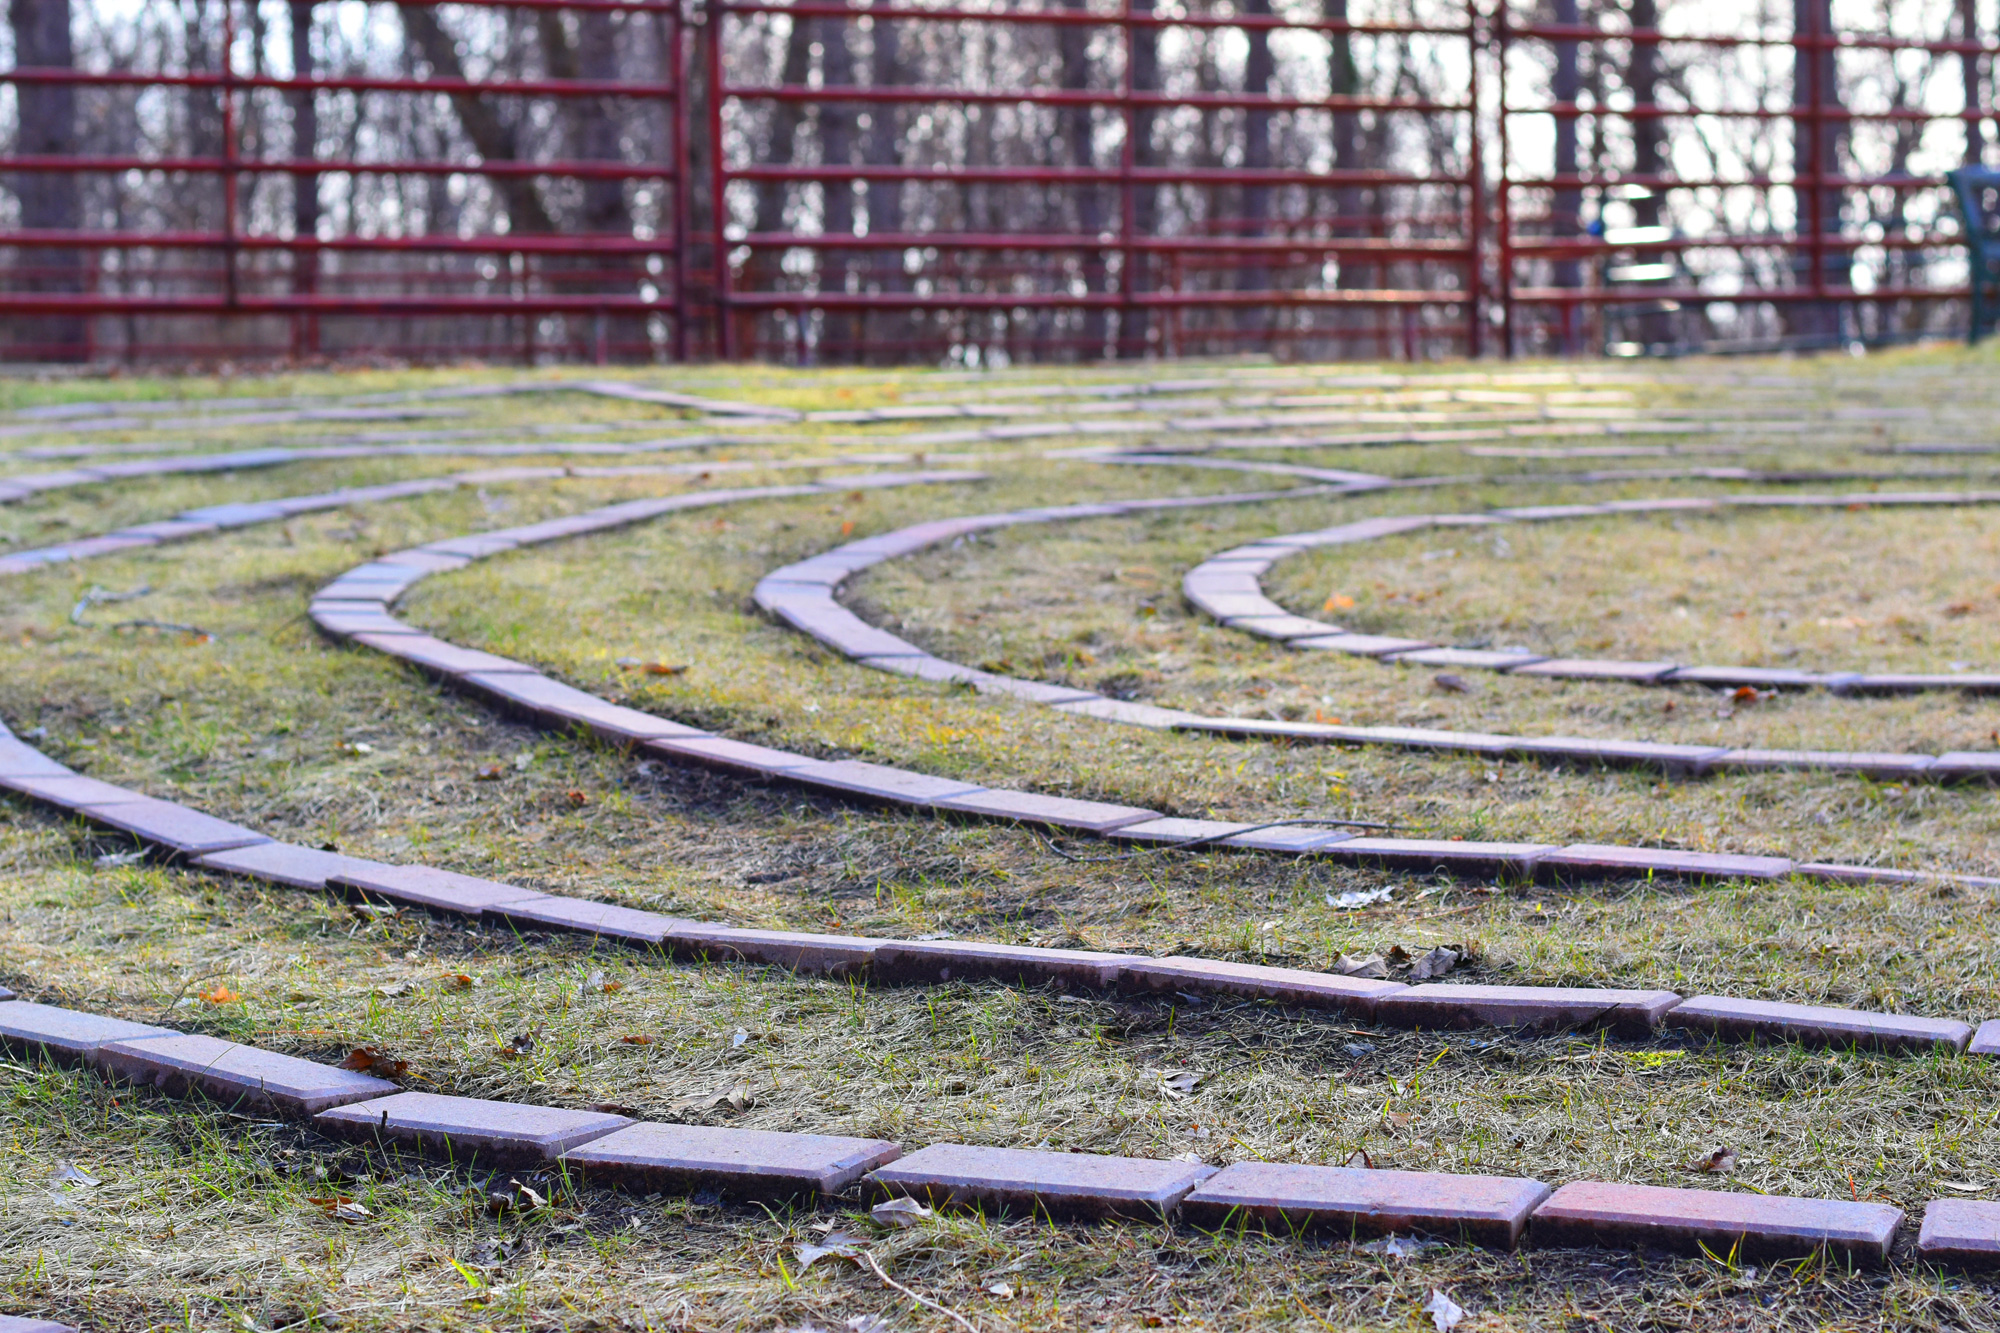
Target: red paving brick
(738, 757)
(238, 1077)
(498, 1133)
(70, 791)
(435, 655)
(879, 782)
(795, 951)
(1056, 811)
(1754, 1226)
(1986, 1041)
(1515, 860)
(20, 1324)
(427, 886)
(1286, 985)
(1595, 861)
(1053, 1183)
(285, 863)
(743, 1163)
(1738, 1019)
(585, 917)
(931, 962)
(1487, 1210)
(1590, 668)
(1530, 1008)
(174, 826)
(1961, 1233)
(63, 1034)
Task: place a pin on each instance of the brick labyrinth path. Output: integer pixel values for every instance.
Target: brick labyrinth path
(618, 1150)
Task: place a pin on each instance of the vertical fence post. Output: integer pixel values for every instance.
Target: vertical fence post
(676, 69)
(1128, 271)
(228, 152)
(1503, 203)
(1475, 309)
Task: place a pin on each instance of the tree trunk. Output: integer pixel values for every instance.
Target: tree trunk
(840, 334)
(305, 188)
(1137, 277)
(1566, 205)
(1073, 47)
(49, 200)
(1816, 148)
(763, 271)
(495, 139)
(1254, 273)
(885, 198)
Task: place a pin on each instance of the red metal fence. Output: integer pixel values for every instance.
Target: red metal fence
(623, 180)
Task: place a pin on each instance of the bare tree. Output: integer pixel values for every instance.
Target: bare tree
(49, 200)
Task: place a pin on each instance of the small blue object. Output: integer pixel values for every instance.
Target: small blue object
(1977, 190)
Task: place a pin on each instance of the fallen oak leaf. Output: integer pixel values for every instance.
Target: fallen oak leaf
(220, 994)
(899, 1213)
(636, 1039)
(839, 1245)
(374, 1060)
(1721, 1162)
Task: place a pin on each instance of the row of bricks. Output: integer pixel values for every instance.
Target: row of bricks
(761, 1165)
(210, 519)
(802, 595)
(1229, 587)
(1375, 439)
(554, 704)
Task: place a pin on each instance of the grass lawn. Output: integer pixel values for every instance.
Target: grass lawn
(206, 1219)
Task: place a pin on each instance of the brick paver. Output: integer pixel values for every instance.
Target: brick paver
(743, 1163)
(67, 1035)
(1053, 1183)
(1488, 1210)
(462, 1128)
(1733, 1018)
(1755, 1226)
(238, 1077)
(1963, 1233)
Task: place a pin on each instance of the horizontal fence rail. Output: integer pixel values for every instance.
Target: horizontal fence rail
(631, 180)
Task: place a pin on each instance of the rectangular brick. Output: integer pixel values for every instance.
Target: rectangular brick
(69, 791)
(1847, 874)
(18, 759)
(1514, 859)
(1913, 683)
(795, 951)
(460, 1128)
(427, 886)
(10, 1323)
(1963, 1233)
(237, 1077)
(1476, 658)
(1532, 513)
(928, 962)
(1286, 985)
(431, 562)
(922, 668)
(1679, 760)
(1296, 841)
(1054, 811)
(1590, 668)
(1965, 766)
(845, 632)
(67, 1035)
(239, 515)
(437, 656)
(1131, 714)
(1888, 765)
(555, 912)
(1754, 1226)
(6, 994)
(1172, 832)
(344, 624)
(1986, 1041)
(1362, 645)
(534, 695)
(1587, 860)
(893, 786)
(1034, 691)
(1057, 1184)
(1727, 1017)
(1485, 1210)
(743, 1163)
(1228, 606)
(477, 547)
(1527, 1008)
(167, 824)
(1281, 626)
(1763, 678)
(286, 863)
(738, 757)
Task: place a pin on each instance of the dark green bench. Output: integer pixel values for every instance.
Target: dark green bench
(1977, 190)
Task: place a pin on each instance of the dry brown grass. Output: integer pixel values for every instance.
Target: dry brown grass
(205, 1220)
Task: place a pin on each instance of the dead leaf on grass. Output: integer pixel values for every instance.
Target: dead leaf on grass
(460, 981)
(839, 1245)
(1446, 1313)
(1178, 1083)
(1000, 1291)
(489, 773)
(518, 1045)
(1452, 683)
(220, 994)
(1372, 966)
(67, 1174)
(1359, 898)
(374, 1060)
(1434, 964)
(899, 1213)
(637, 1039)
(1721, 1162)
(597, 983)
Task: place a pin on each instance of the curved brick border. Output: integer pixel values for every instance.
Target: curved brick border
(803, 595)
(209, 519)
(1229, 587)
(356, 607)
(1284, 1198)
